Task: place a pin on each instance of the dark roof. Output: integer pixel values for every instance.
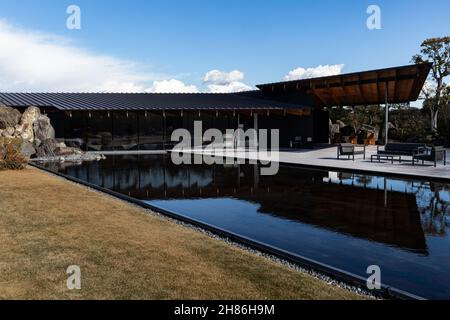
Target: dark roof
(360, 88)
(140, 101)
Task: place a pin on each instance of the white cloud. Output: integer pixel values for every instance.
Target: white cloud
(33, 61)
(229, 88)
(172, 86)
(225, 82)
(222, 78)
(319, 71)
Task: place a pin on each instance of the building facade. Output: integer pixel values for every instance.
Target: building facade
(298, 109)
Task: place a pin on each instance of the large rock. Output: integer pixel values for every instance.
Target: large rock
(67, 151)
(9, 117)
(27, 149)
(47, 148)
(52, 148)
(7, 133)
(43, 130)
(25, 128)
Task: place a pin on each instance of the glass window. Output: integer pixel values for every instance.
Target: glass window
(125, 130)
(76, 129)
(173, 121)
(99, 136)
(151, 131)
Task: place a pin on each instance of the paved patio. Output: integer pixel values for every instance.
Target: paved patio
(327, 157)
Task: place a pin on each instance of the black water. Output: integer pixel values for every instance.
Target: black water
(348, 221)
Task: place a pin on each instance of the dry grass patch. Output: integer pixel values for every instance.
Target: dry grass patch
(47, 224)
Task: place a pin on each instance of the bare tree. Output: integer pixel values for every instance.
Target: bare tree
(436, 92)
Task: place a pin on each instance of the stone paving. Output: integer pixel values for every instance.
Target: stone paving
(327, 157)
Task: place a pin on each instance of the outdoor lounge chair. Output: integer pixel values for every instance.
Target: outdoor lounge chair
(349, 150)
(433, 154)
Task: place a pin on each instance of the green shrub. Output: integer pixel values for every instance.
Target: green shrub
(10, 154)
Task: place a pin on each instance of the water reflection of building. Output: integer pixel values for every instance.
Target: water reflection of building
(351, 204)
(306, 196)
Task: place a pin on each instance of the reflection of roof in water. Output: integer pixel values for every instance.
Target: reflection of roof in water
(297, 195)
(336, 207)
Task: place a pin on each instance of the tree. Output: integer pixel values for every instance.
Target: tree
(436, 92)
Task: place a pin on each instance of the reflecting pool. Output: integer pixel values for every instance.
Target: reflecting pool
(348, 221)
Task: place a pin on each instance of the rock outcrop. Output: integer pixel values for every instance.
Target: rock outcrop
(25, 129)
(46, 148)
(27, 149)
(38, 136)
(9, 118)
(43, 130)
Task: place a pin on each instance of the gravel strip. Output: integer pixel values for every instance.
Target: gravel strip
(317, 275)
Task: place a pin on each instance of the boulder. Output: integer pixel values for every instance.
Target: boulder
(7, 133)
(67, 151)
(25, 128)
(43, 130)
(9, 117)
(27, 149)
(46, 148)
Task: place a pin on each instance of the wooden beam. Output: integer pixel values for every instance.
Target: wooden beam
(323, 98)
(378, 89)
(360, 91)
(346, 94)
(396, 86)
(331, 95)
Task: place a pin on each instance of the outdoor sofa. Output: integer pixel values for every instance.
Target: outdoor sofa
(433, 154)
(402, 149)
(417, 151)
(349, 150)
(398, 150)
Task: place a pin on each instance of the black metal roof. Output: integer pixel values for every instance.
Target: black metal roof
(141, 101)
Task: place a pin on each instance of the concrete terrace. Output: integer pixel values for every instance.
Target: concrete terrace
(326, 157)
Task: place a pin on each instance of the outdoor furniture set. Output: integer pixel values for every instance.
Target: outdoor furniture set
(417, 152)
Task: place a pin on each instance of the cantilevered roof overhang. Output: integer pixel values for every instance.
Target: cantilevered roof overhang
(143, 101)
(398, 85)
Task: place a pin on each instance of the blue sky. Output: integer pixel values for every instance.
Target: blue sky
(183, 40)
